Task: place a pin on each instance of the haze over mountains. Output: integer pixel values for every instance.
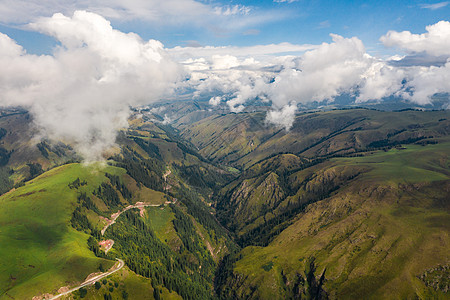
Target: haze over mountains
(265, 169)
(83, 90)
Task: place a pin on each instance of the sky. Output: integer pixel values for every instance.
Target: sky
(237, 23)
(78, 65)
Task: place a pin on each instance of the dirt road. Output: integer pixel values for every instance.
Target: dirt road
(114, 216)
(119, 265)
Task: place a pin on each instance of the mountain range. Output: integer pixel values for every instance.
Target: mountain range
(202, 203)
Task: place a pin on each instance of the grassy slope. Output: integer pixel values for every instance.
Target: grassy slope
(40, 251)
(135, 286)
(374, 236)
(160, 220)
(43, 251)
(20, 141)
(243, 139)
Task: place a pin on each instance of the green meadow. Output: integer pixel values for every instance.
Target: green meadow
(39, 249)
(409, 163)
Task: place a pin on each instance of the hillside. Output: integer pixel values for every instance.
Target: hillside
(376, 236)
(244, 139)
(53, 223)
(348, 204)
(40, 250)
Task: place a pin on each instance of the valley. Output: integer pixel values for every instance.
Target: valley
(224, 150)
(347, 204)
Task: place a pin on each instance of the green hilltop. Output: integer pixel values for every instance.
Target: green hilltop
(40, 250)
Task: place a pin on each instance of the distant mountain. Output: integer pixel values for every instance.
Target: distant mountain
(201, 203)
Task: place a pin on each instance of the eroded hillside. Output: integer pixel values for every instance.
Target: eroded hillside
(348, 204)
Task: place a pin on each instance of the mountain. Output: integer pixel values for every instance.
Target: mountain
(53, 224)
(382, 225)
(348, 204)
(244, 139)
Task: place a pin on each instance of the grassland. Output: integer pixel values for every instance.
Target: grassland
(244, 139)
(378, 222)
(407, 164)
(374, 237)
(124, 282)
(160, 220)
(40, 251)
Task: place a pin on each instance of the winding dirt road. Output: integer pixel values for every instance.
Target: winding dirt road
(119, 265)
(114, 216)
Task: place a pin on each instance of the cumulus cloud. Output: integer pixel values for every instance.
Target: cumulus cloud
(318, 73)
(427, 69)
(424, 82)
(380, 80)
(214, 101)
(436, 41)
(235, 80)
(283, 118)
(236, 74)
(82, 93)
(322, 73)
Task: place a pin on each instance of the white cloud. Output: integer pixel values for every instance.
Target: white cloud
(435, 6)
(262, 52)
(318, 73)
(251, 32)
(209, 16)
(284, 1)
(214, 101)
(82, 93)
(324, 24)
(436, 41)
(8, 48)
(24, 11)
(231, 10)
(424, 82)
(322, 73)
(380, 80)
(284, 117)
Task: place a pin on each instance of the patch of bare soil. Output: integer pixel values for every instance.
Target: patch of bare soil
(41, 297)
(63, 289)
(92, 275)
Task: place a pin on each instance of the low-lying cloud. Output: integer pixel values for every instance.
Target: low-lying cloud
(322, 72)
(82, 93)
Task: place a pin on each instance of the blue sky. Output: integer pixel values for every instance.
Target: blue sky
(252, 23)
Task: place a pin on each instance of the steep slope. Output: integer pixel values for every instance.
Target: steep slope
(22, 154)
(54, 224)
(40, 249)
(360, 193)
(376, 236)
